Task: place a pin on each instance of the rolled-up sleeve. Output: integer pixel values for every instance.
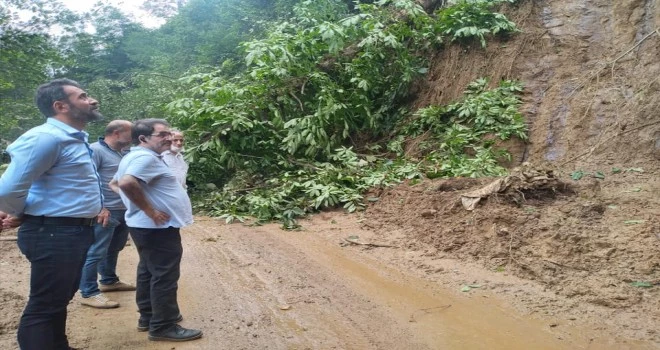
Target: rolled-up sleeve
(31, 156)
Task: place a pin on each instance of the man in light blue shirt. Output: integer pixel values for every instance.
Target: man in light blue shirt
(157, 206)
(52, 188)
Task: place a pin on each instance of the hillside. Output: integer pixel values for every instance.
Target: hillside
(591, 72)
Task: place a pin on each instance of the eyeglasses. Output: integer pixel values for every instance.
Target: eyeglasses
(163, 134)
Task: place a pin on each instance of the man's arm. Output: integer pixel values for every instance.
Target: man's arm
(104, 216)
(114, 186)
(132, 188)
(31, 156)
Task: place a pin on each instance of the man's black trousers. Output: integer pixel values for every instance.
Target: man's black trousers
(158, 271)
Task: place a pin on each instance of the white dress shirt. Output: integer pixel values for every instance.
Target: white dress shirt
(178, 165)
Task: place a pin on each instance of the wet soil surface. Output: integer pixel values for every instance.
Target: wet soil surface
(333, 285)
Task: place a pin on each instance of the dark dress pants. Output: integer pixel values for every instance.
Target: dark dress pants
(57, 255)
(160, 252)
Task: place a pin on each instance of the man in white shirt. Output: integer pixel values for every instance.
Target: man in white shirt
(174, 158)
(157, 207)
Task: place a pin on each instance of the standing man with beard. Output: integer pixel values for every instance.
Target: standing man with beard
(52, 189)
(157, 206)
(109, 239)
(174, 158)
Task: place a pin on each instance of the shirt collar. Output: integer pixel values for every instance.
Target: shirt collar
(68, 129)
(144, 149)
(102, 142)
(178, 154)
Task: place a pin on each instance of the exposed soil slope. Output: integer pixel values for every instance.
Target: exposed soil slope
(592, 78)
(592, 74)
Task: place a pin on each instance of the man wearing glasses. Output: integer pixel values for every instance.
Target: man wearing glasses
(157, 206)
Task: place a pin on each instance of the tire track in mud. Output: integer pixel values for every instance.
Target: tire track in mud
(325, 313)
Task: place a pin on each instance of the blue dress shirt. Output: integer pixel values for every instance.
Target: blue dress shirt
(51, 173)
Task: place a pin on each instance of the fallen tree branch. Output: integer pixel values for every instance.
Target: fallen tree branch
(428, 311)
(657, 31)
(370, 244)
(297, 99)
(562, 265)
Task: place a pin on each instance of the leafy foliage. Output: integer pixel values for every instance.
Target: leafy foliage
(288, 109)
(468, 18)
(282, 136)
(460, 136)
(27, 55)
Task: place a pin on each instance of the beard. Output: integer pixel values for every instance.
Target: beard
(95, 115)
(91, 115)
(176, 149)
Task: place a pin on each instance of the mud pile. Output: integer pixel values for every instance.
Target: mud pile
(591, 71)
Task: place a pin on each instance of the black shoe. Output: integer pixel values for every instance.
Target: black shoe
(175, 333)
(143, 326)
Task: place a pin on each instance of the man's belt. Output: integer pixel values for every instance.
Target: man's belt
(59, 220)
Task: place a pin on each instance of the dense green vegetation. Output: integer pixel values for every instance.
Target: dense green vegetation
(134, 71)
(287, 109)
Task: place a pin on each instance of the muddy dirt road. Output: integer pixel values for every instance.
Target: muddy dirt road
(264, 288)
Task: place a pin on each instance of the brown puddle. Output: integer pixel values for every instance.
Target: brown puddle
(443, 320)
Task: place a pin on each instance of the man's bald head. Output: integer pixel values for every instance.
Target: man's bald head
(118, 134)
(117, 125)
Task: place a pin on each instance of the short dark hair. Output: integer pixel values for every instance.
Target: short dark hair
(145, 127)
(50, 92)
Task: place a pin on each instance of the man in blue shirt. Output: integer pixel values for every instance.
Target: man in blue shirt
(52, 188)
(109, 239)
(157, 206)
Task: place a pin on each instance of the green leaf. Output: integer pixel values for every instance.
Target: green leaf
(599, 175)
(577, 175)
(641, 284)
(635, 189)
(634, 222)
(466, 289)
(616, 170)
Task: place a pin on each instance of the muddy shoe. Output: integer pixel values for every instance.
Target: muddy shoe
(118, 286)
(175, 333)
(99, 301)
(143, 326)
